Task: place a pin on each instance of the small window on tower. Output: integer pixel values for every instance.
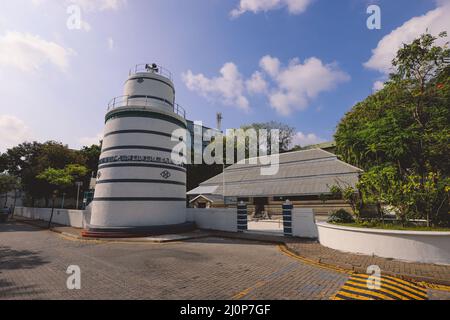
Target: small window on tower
(140, 80)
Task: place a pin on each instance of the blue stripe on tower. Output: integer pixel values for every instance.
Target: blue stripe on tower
(115, 114)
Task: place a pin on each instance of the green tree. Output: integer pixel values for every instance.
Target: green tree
(27, 160)
(61, 180)
(286, 133)
(405, 127)
(91, 155)
(3, 162)
(384, 185)
(350, 195)
(428, 195)
(7, 183)
(58, 178)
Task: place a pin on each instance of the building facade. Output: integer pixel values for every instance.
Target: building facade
(304, 178)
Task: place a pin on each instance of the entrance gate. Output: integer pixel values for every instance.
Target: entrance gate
(263, 224)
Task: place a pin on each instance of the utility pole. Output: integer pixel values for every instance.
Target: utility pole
(53, 209)
(219, 119)
(79, 184)
(63, 198)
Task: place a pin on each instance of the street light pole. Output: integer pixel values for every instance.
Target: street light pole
(78, 184)
(53, 209)
(63, 198)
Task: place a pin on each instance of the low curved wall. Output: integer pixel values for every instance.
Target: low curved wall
(412, 246)
(65, 217)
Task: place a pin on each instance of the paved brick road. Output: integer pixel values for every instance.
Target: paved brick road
(33, 264)
(359, 263)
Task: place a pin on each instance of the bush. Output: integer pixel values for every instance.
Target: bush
(340, 216)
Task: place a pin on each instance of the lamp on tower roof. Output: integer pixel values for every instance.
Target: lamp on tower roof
(152, 68)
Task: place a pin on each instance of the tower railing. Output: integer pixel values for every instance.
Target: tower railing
(179, 110)
(144, 102)
(152, 68)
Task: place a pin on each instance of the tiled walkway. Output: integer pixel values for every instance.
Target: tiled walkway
(416, 271)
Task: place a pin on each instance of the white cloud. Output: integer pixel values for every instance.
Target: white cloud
(111, 43)
(89, 141)
(256, 6)
(99, 5)
(270, 65)
(298, 84)
(87, 6)
(13, 131)
(30, 52)
(290, 88)
(91, 5)
(85, 26)
(377, 86)
(228, 88)
(301, 139)
(435, 21)
(257, 83)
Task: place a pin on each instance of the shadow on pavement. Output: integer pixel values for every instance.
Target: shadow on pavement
(11, 259)
(9, 290)
(14, 226)
(247, 239)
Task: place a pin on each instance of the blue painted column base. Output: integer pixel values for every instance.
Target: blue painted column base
(242, 218)
(287, 219)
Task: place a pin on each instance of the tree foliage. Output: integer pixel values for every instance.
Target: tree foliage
(28, 160)
(7, 184)
(61, 179)
(286, 133)
(91, 155)
(350, 195)
(401, 135)
(3, 163)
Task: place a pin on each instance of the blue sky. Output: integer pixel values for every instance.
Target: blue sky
(300, 62)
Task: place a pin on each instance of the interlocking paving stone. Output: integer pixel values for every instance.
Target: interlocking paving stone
(438, 294)
(359, 263)
(33, 264)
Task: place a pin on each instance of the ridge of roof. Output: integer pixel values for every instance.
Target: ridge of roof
(246, 160)
(329, 157)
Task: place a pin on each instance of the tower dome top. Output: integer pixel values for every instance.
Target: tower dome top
(151, 68)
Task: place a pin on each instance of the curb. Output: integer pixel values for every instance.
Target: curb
(125, 240)
(315, 262)
(111, 240)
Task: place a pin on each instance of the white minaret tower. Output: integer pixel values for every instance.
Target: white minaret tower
(139, 186)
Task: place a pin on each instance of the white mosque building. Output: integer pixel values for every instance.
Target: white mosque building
(140, 188)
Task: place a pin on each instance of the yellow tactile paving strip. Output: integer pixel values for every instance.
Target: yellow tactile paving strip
(391, 288)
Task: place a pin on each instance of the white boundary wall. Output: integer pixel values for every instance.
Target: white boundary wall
(413, 246)
(213, 219)
(303, 223)
(73, 218)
